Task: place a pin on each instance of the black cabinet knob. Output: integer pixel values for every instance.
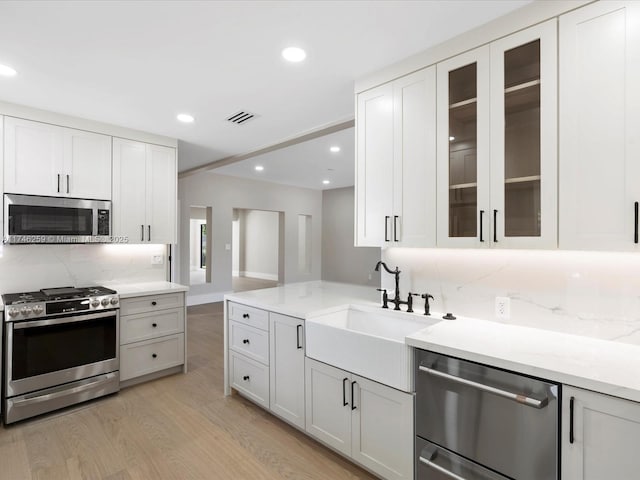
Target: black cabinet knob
(245, 315)
(154, 303)
(246, 378)
(154, 355)
(245, 341)
(154, 325)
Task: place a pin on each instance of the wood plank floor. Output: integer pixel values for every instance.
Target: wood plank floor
(177, 427)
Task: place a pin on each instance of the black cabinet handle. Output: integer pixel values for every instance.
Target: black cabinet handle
(481, 223)
(571, 438)
(635, 231)
(395, 228)
(298, 342)
(142, 233)
(246, 341)
(245, 315)
(67, 183)
(149, 233)
(154, 325)
(154, 355)
(495, 227)
(344, 392)
(353, 401)
(58, 183)
(386, 228)
(154, 303)
(246, 378)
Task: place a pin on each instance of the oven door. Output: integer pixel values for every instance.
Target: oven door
(60, 349)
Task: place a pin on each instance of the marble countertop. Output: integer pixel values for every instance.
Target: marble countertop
(306, 298)
(127, 290)
(604, 366)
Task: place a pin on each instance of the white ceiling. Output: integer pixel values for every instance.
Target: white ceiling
(139, 63)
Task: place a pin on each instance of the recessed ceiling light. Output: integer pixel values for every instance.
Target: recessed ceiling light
(326, 182)
(7, 71)
(294, 54)
(185, 118)
(334, 149)
(259, 168)
(451, 139)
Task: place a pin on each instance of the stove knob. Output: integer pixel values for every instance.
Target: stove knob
(95, 303)
(104, 302)
(25, 310)
(13, 312)
(114, 300)
(37, 309)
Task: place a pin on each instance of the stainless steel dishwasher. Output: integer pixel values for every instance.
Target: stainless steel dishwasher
(475, 422)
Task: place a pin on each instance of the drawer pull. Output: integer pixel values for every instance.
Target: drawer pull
(154, 303)
(522, 399)
(245, 315)
(153, 355)
(245, 341)
(154, 325)
(245, 378)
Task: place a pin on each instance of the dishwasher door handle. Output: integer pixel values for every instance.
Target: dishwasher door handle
(440, 469)
(516, 397)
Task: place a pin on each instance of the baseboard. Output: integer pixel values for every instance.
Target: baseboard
(260, 275)
(205, 298)
(235, 273)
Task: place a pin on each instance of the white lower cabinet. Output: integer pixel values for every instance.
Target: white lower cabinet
(250, 378)
(152, 335)
(286, 367)
(599, 436)
(368, 421)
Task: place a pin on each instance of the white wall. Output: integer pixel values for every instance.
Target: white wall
(259, 247)
(341, 261)
(572, 292)
(26, 268)
(225, 193)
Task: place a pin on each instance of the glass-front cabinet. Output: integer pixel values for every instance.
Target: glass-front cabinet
(497, 140)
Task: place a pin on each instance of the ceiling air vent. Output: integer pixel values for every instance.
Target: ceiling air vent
(241, 117)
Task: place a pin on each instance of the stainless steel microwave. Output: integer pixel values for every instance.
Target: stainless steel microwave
(35, 219)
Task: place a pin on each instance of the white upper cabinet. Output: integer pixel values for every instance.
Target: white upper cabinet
(497, 161)
(599, 123)
(374, 166)
(395, 163)
(43, 159)
(144, 192)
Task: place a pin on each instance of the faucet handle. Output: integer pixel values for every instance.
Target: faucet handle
(385, 297)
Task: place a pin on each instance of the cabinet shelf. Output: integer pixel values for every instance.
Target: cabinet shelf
(463, 103)
(530, 178)
(524, 96)
(460, 186)
(522, 86)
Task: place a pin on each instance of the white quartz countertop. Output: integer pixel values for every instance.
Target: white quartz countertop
(127, 290)
(604, 366)
(307, 298)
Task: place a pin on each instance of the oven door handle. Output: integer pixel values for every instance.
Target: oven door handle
(516, 397)
(440, 469)
(58, 321)
(62, 393)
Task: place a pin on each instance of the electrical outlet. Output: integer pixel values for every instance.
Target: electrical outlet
(503, 307)
(157, 259)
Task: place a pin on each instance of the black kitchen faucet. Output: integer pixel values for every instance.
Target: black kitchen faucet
(396, 300)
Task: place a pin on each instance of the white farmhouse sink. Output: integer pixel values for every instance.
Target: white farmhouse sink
(367, 342)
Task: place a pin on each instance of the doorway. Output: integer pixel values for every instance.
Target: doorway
(257, 249)
(199, 245)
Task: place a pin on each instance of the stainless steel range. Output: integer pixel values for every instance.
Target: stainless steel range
(61, 348)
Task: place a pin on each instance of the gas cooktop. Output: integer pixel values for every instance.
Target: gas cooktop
(55, 294)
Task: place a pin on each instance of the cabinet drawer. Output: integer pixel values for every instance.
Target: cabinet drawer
(250, 378)
(144, 326)
(149, 303)
(250, 341)
(141, 358)
(249, 315)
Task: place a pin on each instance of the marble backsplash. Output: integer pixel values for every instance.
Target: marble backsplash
(595, 294)
(32, 267)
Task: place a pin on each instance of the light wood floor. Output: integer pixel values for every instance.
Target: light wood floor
(178, 427)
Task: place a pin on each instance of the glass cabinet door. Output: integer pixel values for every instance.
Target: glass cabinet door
(523, 139)
(463, 160)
